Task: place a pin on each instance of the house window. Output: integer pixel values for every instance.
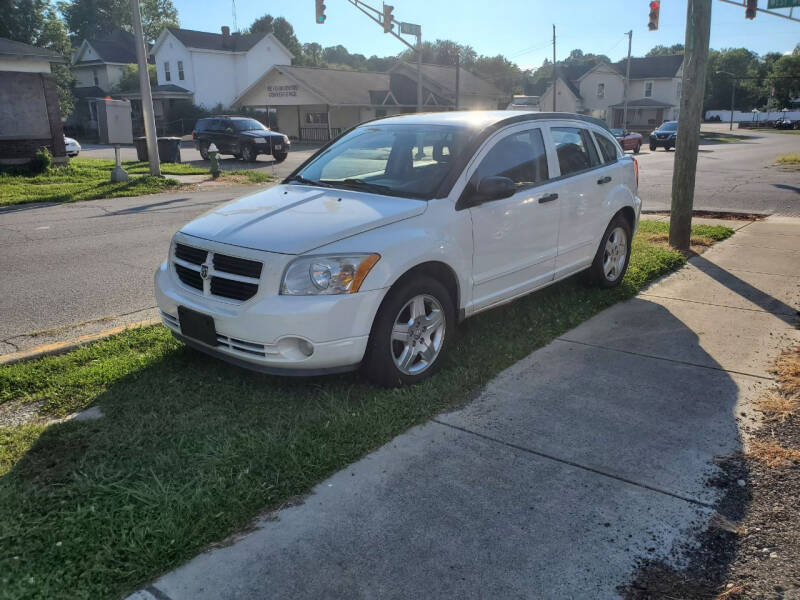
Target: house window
(679, 89)
(94, 77)
(316, 118)
(601, 90)
(167, 76)
(180, 70)
(648, 89)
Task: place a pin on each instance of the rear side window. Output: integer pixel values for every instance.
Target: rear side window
(520, 156)
(607, 148)
(202, 125)
(575, 149)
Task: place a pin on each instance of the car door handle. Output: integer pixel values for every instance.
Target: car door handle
(548, 198)
(603, 180)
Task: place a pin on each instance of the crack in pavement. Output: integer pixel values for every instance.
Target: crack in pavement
(761, 310)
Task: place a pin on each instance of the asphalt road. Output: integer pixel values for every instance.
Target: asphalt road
(77, 268)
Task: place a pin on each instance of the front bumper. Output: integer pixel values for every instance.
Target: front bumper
(654, 141)
(272, 333)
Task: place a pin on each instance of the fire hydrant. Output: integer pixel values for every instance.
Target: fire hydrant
(212, 156)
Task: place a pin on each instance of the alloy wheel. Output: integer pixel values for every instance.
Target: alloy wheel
(418, 334)
(615, 254)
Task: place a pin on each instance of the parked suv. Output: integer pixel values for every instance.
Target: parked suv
(243, 137)
(666, 136)
(372, 251)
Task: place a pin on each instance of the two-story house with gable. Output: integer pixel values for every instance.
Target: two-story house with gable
(653, 95)
(215, 68)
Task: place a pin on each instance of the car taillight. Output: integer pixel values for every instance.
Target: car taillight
(636, 170)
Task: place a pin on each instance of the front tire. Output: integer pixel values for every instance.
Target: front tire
(613, 255)
(249, 153)
(653, 147)
(280, 156)
(410, 334)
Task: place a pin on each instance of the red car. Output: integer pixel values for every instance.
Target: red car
(629, 140)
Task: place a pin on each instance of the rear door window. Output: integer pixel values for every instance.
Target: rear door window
(520, 156)
(607, 148)
(575, 149)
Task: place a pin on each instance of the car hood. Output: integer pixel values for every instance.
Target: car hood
(293, 219)
(262, 134)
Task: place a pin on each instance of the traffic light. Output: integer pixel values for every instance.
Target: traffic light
(655, 7)
(750, 11)
(320, 12)
(387, 18)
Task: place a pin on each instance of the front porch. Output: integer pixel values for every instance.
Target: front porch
(644, 114)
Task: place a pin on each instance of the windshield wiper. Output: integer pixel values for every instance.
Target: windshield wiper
(360, 184)
(301, 179)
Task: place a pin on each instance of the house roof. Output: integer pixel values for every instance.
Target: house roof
(335, 86)
(445, 77)
(653, 67)
(116, 47)
(89, 92)
(643, 103)
(18, 49)
(214, 41)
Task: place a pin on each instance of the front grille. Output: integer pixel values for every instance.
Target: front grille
(237, 266)
(228, 288)
(189, 254)
(190, 261)
(189, 277)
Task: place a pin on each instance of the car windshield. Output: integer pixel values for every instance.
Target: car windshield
(394, 160)
(617, 132)
(669, 126)
(248, 125)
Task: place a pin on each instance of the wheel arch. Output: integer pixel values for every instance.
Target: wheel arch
(440, 271)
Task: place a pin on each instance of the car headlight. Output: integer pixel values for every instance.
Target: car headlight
(324, 275)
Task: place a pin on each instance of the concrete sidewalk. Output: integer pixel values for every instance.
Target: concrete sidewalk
(590, 453)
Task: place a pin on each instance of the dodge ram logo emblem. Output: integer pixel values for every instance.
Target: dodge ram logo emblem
(204, 271)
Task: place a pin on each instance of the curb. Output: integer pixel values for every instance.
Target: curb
(64, 347)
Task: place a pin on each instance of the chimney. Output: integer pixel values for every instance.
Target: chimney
(226, 36)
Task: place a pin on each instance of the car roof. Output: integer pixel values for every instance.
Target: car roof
(480, 119)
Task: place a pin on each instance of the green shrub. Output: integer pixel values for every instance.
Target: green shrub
(41, 161)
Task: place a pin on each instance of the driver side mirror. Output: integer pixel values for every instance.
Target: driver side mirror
(496, 188)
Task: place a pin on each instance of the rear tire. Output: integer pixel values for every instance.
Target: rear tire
(203, 151)
(638, 147)
(613, 255)
(411, 333)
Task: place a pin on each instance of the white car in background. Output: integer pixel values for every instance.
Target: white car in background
(72, 146)
(373, 250)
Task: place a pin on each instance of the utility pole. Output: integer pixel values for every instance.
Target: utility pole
(627, 83)
(555, 78)
(698, 27)
(419, 69)
(144, 89)
(458, 77)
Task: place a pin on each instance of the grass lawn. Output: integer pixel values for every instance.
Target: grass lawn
(721, 137)
(191, 449)
(88, 179)
(793, 158)
(702, 235)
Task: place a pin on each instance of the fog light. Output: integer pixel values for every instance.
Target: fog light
(295, 348)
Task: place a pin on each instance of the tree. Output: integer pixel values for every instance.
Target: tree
(785, 79)
(22, 20)
(281, 29)
(93, 19)
(313, 54)
(661, 50)
(504, 74)
(129, 82)
(53, 36)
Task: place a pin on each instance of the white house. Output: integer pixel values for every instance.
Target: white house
(215, 67)
(653, 95)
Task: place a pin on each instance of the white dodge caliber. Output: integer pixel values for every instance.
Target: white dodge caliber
(372, 251)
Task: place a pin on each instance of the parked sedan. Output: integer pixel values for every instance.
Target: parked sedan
(665, 136)
(72, 146)
(372, 251)
(629, 140)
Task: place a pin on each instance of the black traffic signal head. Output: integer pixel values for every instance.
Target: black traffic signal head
(320, 12)
(655, 7)
(750, 11)
(387, 18)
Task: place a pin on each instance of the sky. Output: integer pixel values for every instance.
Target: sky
(519, 29)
